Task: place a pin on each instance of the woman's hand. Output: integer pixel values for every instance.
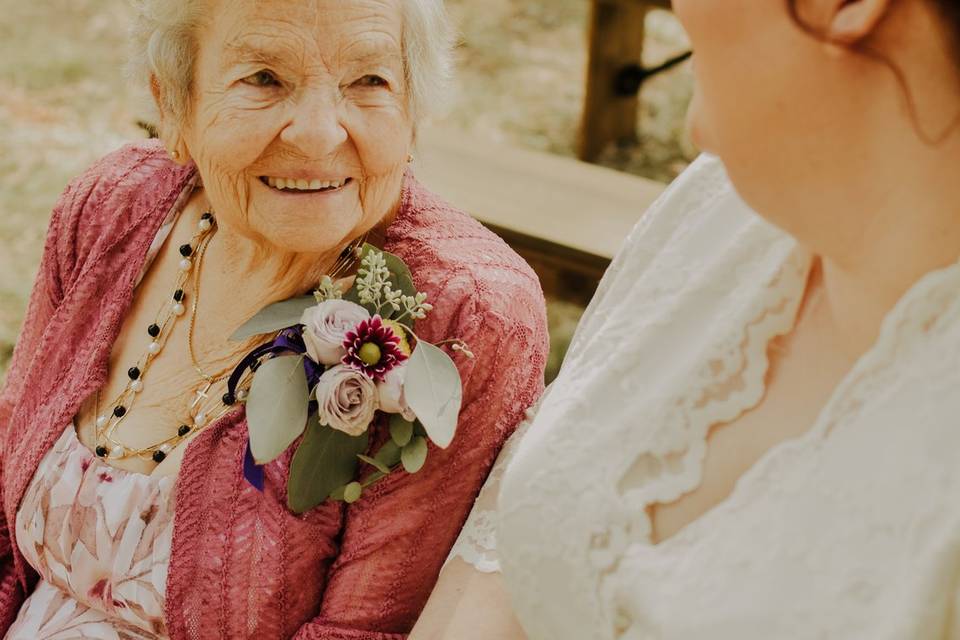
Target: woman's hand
(468, 605)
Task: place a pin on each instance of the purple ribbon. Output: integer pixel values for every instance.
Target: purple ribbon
(289, 340)
(252, 471)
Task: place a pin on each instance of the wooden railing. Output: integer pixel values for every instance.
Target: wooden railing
(565, 217)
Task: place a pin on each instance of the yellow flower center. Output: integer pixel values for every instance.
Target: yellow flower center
(401, 332)
(369, 354)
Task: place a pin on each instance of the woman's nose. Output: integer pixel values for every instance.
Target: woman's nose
(316, 127)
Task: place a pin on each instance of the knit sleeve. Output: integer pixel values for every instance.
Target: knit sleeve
(397, 537)
(44, 300)
(11, 591)
(95, 208)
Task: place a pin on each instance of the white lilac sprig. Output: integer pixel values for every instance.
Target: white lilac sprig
(415, 307)
(373, 281)
(328, 290)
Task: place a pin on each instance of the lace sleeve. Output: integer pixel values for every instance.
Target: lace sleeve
(477, 544)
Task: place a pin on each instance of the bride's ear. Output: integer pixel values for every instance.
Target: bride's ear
(841, 22)
(854, 20)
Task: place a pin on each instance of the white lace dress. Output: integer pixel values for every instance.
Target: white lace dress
(851, 531)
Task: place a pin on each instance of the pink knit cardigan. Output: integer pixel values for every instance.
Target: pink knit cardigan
(243, 565)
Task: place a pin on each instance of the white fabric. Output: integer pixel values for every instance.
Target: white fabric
(850, 531)
(167, 227)
(477, 543)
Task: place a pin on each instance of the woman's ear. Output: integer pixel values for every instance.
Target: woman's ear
(157, 92)
(169, 135)
(841, 22)
(854, 20)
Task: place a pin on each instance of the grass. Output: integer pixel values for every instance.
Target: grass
(64, 102)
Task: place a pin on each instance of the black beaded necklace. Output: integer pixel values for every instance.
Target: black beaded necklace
(203, 410)
(159, 331)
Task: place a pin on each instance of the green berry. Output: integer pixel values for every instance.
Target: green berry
(353, 492)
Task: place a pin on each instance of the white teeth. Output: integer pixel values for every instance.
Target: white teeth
(304, 185)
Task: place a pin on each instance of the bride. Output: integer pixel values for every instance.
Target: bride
(755, 433)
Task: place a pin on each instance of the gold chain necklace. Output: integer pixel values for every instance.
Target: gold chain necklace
(159, 332)
(202, 411)
(198, 412)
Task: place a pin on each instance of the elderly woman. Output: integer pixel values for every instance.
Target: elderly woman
(287, 128)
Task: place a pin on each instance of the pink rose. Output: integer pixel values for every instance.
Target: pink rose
(392, 397)
(347, 400)
(326, 326)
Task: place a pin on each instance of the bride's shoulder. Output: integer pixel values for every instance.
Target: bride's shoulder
(705, 179)
(698, 220)
(700, 195)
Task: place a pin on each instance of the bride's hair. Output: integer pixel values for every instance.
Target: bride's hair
(950, 11)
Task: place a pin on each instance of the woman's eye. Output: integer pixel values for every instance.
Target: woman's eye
(371, 81)
(262, 79)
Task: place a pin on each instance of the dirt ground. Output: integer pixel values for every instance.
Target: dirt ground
(65, 101)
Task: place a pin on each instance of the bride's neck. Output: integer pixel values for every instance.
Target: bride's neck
(907, 227)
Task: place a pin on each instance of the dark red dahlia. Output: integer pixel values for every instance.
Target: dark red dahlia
(373, 348)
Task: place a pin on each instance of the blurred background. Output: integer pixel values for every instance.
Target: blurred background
(543, 86)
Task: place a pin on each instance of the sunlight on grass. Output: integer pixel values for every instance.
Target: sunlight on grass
(63, 103)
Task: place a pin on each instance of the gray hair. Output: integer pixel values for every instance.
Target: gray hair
(165, 40)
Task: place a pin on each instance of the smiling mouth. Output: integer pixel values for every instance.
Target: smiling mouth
(292, 185)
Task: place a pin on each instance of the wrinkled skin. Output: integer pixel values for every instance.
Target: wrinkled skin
(310, 90)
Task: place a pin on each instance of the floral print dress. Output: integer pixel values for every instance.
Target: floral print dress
(100, 538)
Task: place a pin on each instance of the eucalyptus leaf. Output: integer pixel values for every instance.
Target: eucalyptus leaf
(275, 317)
(375, 463)
(418, 429)
(414, 455)
(325, 461)
(401, 430)
(434, 392)
(277, 407)
(389, 454)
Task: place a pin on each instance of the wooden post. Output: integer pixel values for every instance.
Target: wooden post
(616, 40)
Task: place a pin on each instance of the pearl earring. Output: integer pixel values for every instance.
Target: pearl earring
(409, 158)
(174, 154)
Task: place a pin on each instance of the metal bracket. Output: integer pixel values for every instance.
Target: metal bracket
(630, 78)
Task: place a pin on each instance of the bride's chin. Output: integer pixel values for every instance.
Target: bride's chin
(695, 128)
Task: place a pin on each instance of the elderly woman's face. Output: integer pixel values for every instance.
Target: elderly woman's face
(299, 122)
